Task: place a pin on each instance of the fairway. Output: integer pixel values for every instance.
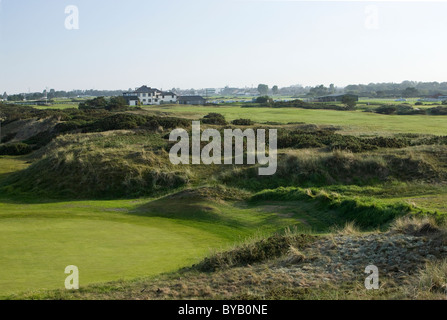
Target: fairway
(353, 122)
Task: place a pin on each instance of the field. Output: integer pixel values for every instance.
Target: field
(353, 122)
(102, 195)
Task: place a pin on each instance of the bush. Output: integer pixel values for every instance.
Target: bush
(97, 103)
(263, 99)
(242, 122)
(120, 121)
(438, 111)
(15, 149)
(350, 102)
(117, 104)
(383, 142)
(386, 110)
(419, 103)
(214, 118)
(171, 123)
(408, 110)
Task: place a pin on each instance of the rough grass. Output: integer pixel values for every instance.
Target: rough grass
(415, 225)
(433, 280)
(249, 253)
(349, 228)
(315, 168)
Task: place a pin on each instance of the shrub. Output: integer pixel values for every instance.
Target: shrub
(263, 99)
(120, 121)
(117, 104)
(96, 103)
(214, 118)
(438, 111)
(408, 110)
(386, 110)
(242, 122)
(172, 123)
(350, 102)
(384, 142)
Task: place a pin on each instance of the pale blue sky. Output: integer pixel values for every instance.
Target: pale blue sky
(214, 43)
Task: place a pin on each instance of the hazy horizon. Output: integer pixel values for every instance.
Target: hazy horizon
(217, 43)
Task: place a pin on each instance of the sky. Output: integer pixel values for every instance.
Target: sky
(121, 44)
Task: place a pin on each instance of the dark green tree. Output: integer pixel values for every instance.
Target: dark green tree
(263, 89)
(320, 90)
(349, 101)
(410, 92)
(116, 103)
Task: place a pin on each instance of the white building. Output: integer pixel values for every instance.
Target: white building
(149, 96)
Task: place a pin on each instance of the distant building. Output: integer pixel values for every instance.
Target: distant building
(149, 96)
(210, 92)
(336, 98)
(438, 96)
(132, 100)
(191, 100)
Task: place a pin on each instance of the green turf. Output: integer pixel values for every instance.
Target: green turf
(37, 242)
(351, 121)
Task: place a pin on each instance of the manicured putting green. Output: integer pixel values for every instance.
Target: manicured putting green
(37, 242)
